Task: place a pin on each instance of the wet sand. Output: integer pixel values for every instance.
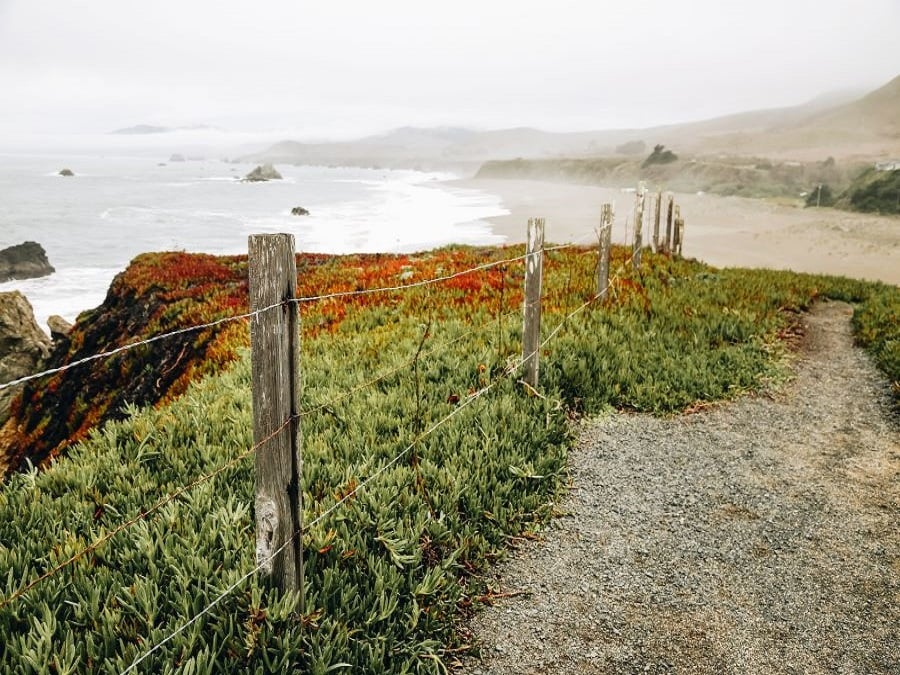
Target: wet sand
(722, 231)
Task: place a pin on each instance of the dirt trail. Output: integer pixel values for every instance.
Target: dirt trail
(760, 536)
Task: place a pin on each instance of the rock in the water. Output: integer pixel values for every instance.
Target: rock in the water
(24, 261)
(59, 328)
(23, 345)
(66, 172)
(299, 211)
(176, 158)
(262, 173)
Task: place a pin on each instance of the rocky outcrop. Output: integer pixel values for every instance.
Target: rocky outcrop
(23, 345)
(157, 293)
(299, 211)
(66, 172)
(24, 261)
(176, 158)
(59, 328)
(262, 173)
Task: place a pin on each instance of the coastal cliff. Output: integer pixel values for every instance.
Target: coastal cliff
(157, 293)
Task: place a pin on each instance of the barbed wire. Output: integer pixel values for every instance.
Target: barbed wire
(424, 282)
(139, 343)
(471, 398)
(263, 563)
(405, 364)
(385, 467)
(202, 479)
(144, 513)
(248, 315)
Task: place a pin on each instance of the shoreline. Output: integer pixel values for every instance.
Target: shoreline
(721, 231)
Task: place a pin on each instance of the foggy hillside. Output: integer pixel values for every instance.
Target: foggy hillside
(836, 125)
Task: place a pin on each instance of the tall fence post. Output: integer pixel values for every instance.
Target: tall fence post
(639, 198)
(534, 271)
(656, 218)
(606, 221)
(670, 214)
(275, 358)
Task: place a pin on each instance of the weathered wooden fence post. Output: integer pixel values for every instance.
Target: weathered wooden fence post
(656, 217)
(679, 231)
(606, 221)
(639, 199)
(275, 358)
(670, 214)
(534, 271)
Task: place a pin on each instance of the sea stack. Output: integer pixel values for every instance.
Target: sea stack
(261, 173)
(24, 261)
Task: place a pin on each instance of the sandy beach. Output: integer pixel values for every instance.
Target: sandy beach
(722, 231)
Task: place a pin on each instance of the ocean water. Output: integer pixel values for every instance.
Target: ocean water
(114, 208)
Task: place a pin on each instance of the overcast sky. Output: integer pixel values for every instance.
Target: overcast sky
(339, 67)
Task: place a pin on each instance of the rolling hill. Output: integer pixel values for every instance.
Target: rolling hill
(841, 126)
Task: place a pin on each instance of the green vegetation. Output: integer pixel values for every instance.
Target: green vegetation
(728, 176)
(877, 328)
(659, 156)
(390, 573)
(873, 191)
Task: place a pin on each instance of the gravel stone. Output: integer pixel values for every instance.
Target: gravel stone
(758, 536)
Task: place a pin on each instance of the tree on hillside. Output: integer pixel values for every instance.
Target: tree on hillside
(659, 156)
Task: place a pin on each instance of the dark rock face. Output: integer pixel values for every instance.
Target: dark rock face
(24, 261)
(262, 173)
(23, 345)
(66, 172)
(176, 158)
(299, 211)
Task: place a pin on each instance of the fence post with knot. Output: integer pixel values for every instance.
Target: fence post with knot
(275, 359)
(534, 271)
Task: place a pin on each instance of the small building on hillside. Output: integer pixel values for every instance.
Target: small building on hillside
(891, 165)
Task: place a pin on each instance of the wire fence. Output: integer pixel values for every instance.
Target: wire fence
(469, 400)
(244, 316)
(444, 345)
(249, 315)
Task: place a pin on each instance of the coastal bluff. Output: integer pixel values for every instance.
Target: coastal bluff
(27, 260)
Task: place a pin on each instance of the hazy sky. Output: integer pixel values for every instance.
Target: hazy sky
(338, 67)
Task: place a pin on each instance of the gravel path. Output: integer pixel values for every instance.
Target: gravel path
(760, 536)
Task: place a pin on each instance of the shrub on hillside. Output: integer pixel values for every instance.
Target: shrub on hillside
(659, 156)
(875, 192)
(820, 195)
